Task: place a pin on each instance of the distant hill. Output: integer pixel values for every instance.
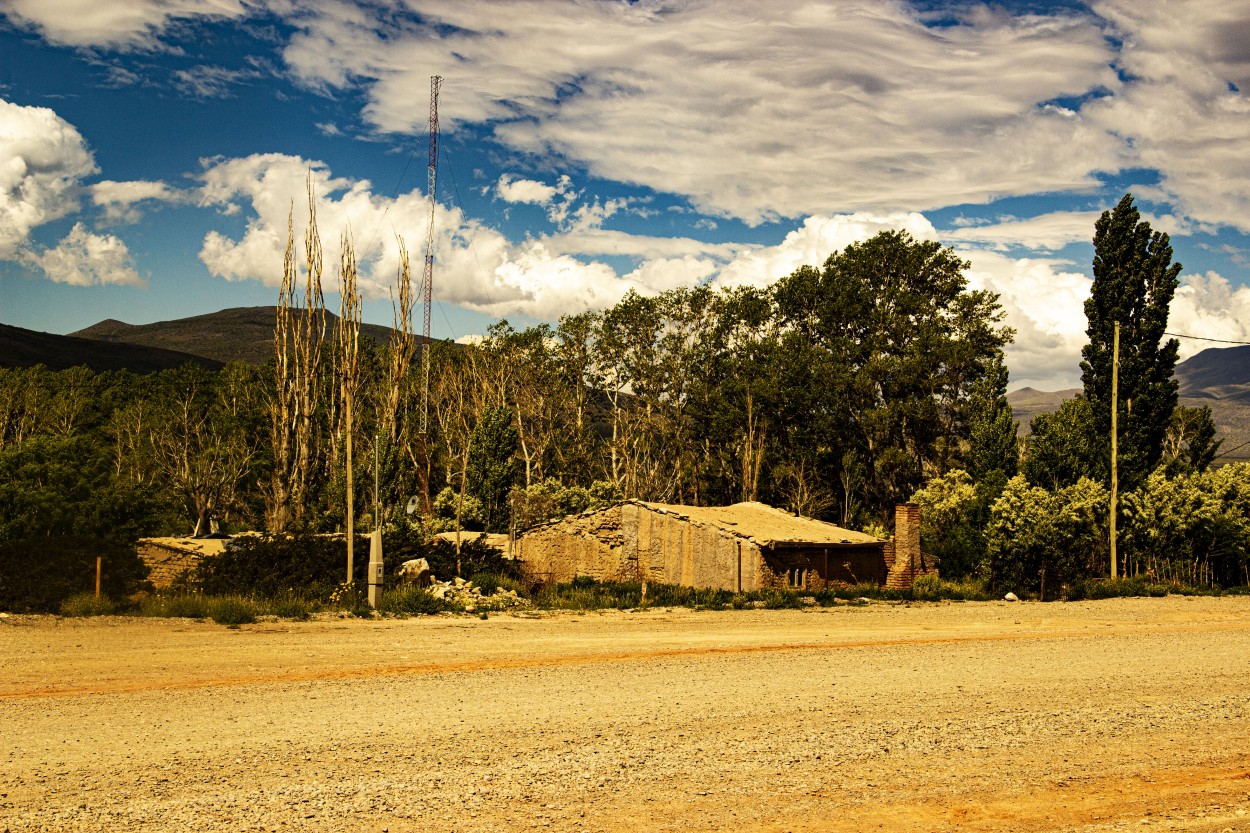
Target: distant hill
(240, 334)
(1218, 377)
(1218, 373)
(26, 348)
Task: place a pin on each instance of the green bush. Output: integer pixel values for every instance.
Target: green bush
(584, 593)
(412, 601)
(293, 607)
(86, 604)
(232, 610)
(1108, 588)
(184, 605)
(488, 583)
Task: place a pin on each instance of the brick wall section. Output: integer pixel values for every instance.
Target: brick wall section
(589, 544)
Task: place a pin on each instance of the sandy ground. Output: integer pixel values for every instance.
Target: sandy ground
(1114, 715)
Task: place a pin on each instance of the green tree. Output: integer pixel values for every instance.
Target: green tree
(491, 469)
(1190, 444)
(1134, 281)
(885, 345)
(1038, 540)
(993, 445)
(1062, 446)
(948, 523)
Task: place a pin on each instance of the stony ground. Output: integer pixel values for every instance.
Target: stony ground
(1114, 715)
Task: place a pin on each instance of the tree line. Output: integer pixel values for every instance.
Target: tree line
(836, 392)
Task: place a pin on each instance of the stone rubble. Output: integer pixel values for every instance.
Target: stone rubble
(468, 597)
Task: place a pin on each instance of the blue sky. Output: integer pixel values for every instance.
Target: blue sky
(150, 150)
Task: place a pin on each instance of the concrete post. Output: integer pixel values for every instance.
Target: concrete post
(375, 568)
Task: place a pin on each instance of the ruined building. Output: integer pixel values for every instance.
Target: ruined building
(747, 546)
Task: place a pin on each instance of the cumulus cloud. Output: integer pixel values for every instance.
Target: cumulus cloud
(511, 189)
(84, 258)
(813, 242)
(476, 267)
(124, 24)
(42, 162)
(1044, 302)
(1209, 306)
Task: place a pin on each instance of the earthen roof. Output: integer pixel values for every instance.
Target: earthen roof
(767, 525)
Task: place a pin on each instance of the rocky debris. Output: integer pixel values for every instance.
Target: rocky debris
(417, 571)
(470, 598)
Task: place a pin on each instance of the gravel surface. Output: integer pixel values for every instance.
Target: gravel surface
(1112, 715)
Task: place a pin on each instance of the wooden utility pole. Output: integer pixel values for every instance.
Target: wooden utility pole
(1115, 412)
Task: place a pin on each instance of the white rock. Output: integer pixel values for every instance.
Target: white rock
(1011, 597)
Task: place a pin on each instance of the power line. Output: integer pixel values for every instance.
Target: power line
(1203, 338)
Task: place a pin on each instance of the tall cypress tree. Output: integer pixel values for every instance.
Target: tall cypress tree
(1134, 281)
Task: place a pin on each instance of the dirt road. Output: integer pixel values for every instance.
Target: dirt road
(1114, 715)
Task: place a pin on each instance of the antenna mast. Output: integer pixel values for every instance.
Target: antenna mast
(427, 280)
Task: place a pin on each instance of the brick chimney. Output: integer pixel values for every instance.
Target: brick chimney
(907, 563)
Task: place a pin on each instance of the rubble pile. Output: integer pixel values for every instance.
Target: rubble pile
(469, 597)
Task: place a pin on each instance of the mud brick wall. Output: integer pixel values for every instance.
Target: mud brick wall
(166, 563)
(589, 544)
(668, 547)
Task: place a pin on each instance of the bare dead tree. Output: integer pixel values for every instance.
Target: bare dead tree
(298, 388)
(347, 350)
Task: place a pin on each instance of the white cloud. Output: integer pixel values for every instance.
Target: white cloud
(1044, 302)
(813, 242)
(476, 267)
(120, 200)
(809, 108)
(133, 24)
(1179, 112)
(84, 258)
(529, 191)
(42, 162)
(206, 81)
(1210, 307)
(1046, 232)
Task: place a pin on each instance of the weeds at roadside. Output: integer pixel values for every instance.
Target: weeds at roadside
(86, 604)
(412, 601)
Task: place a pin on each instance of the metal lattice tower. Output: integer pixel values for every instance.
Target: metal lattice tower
(427, 280)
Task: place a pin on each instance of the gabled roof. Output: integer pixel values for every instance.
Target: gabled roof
(767, 526)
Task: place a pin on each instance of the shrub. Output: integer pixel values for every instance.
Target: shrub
(412, 601)
(232, 611)
(86, 604)
(1108, 588)
(186, 605)
(293, 607)
(488, 583)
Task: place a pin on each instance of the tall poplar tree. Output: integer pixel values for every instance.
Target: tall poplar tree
(1134, 281)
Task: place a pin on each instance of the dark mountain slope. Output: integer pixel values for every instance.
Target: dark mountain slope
(25, 348)
(239, 334)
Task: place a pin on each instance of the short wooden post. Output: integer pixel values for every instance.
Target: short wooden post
(98, 561)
